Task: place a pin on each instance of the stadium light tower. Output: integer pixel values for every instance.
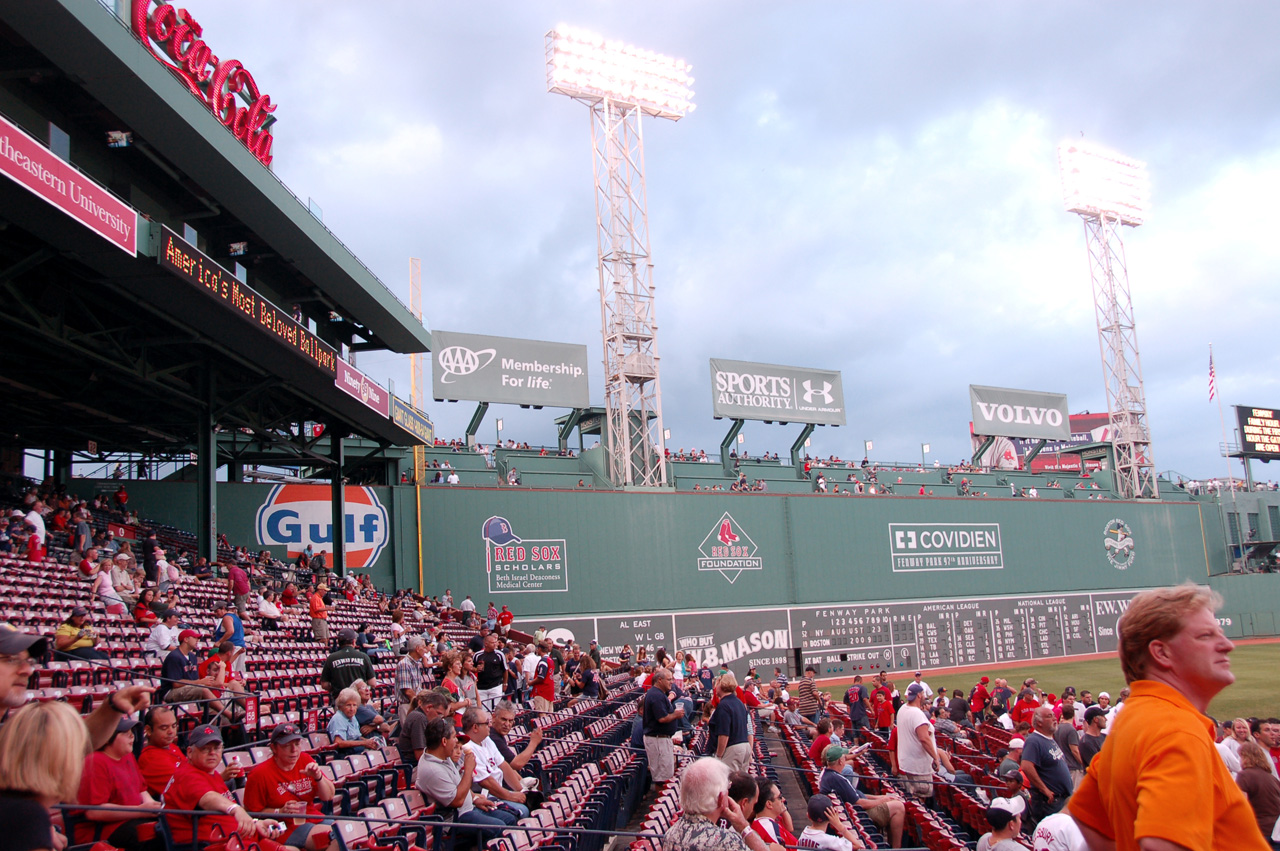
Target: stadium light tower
(1108, 190)
(619, 82)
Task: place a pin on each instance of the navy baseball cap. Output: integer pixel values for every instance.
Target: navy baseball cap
(204, 735)
(285, 733)
(13, 641)
(498, 530)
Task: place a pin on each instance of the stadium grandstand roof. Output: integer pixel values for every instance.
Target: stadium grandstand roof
(107, 345)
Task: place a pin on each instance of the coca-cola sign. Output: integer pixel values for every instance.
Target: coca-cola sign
(173, 37)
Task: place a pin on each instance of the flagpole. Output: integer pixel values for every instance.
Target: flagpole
(1226, 453)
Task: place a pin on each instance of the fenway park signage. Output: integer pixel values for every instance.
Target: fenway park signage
(166, 31)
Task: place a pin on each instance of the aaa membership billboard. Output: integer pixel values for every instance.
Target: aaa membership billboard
(1001, 412)
(756, 391)
(508, 371)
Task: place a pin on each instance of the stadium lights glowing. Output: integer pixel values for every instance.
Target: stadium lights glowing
(1099, 182)
(585, 65)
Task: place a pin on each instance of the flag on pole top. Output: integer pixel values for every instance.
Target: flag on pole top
(1212, 390)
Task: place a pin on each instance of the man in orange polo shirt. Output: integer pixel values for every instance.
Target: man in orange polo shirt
(320, 614)
(1159, 784)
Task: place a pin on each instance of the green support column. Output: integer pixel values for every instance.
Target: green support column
(339, 560)
(986, 444)
(1031, 456)
(474, 425)
(206, 473)
(798, 447)
(726, 446)
(62, 466)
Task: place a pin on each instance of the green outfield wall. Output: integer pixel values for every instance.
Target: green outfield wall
(844, 583)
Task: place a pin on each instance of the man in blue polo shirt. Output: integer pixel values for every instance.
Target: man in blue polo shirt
(660, 723)
(728, 730)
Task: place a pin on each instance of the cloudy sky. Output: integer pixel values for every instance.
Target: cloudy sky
(865, 187)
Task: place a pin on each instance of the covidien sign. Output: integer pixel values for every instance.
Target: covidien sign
(294, 516)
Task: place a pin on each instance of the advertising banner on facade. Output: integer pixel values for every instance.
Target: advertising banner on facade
(43, 173)
(998, 411)
(1007, 453)
(1259, 431)
(355, 383)
(297, 516)
(516, 564)
(412, 420)
(792, 394)
(738, 640)
(508, 371)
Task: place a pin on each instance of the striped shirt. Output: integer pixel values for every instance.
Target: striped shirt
(408, 677)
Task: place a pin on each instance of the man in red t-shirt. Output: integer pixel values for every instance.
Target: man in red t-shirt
(979, 700)
(881, 687)
(1024, 708)
(290, 783)
(111, 777)
(544, 680)
(504, 620)
(197, 785)
(830, 732)
(160, 757)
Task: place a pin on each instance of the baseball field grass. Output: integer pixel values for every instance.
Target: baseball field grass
(1256, 692)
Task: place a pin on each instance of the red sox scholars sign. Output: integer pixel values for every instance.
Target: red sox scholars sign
(523, 565)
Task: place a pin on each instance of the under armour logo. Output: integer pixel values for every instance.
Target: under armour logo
(810, 391)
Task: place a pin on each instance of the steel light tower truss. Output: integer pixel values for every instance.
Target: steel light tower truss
(619, 83)
(1109, 191)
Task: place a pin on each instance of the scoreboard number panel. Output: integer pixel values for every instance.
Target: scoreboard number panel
(843, 640)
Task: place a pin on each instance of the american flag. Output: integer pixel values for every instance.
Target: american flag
(1212, 389)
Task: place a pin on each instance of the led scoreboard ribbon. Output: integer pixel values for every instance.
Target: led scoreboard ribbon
(198, 269)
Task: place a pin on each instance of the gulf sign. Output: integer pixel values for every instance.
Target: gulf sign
(294, 516)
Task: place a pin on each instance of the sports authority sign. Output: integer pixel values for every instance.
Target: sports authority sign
(508, 371)
(945, 546)
(1000, 412)
(518, 565)
(167, 31)
(728, 548)
(47, 176)
(757, 391)
(355, 383)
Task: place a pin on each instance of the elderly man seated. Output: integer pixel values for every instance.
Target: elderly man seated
(704, 800)
(290, 785)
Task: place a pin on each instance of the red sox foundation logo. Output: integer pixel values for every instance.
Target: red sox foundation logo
(728, 549)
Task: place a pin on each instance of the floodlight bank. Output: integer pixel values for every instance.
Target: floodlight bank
(585, 65)
(1098, 182)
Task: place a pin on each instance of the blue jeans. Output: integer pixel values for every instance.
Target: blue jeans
(493, 824)
(520, 810)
